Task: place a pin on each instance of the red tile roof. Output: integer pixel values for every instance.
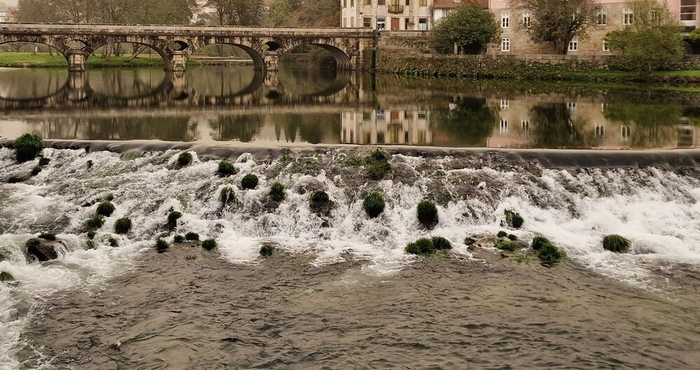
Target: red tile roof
(451, 4)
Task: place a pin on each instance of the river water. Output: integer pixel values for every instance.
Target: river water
(339, 292)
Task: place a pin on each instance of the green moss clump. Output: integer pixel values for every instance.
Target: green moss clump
(469, 241)
(178, 239)
(377, 165)
(209, 244)
(227, 195)
(6, 276)
(36, 170)
(95, 222)
(318, 200)
(507, 245)
(616, 243)
(184, 159)
(113, 242)
(226, 168)
(422, 246)
(427, 214)
(122, 225)
(249, 181)
(502, 234)
(538, 242)
(513, 219)
(105, 208)
(192, 236)
(109, 197)
(15, 179)
(43, 161)
(33, 242)
(512, 237)
(161, 245)
(47, 236)
(28, 146)
(91, 234)
(277, 192)
(373, 205)
(89, 245)
(173, 216)
(441, 243)
(267, 250)
(549, 254)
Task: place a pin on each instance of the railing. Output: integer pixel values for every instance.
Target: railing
(396, 9)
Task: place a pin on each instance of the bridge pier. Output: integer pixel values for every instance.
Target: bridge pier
(272, 61)
(76, 61)
(178, 62)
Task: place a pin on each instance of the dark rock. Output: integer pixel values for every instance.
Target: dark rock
(43, 250)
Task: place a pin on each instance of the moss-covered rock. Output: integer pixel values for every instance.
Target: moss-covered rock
(538, 242)
(105, 208)
(249, 181)
(427, 213)
(209, 244)
(373, 205)
(178, 238)
(277, 192)
(267, 250)
(28, 146)
(95, 222)
(173, 216)
(6, 276)
(227, 195)
(507, 245)
(549, 254)
(319, 200)
(616, 243)
(226, 168)
(184, 159)
(513, 219)
(378, 165)
(122, 225)
(47, 236)
(441, 243)
(192, 236)
(162, 245)
(422, 246)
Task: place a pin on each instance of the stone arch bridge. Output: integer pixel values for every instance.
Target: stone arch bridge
(175, 44)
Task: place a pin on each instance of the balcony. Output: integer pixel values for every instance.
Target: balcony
(395, 9)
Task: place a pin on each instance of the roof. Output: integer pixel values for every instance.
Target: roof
(451, 4)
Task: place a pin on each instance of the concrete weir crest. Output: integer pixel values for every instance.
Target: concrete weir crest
(175, 44)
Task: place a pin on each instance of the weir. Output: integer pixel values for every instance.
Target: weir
(175, 44)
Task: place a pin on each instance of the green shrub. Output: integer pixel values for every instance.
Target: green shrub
(113, 242)
(43, 161)
(172, 219)
(267, 250)
(192, 236)
(469, 241)
(373, 205)
(538, 242)
(3, 255)
(190, 258)
(549, 254)
(616, 243)
(209, 244)
(226, 168)
(91, 234)
(178, 239)
(441, 243)
(513, 219)
(421, 246)
(227, 195)
(47, 236)
(377, 164)
(318, 199)
(507, 245)
(122, 225)
(105, 208)
(28, 146)
(15, 179)
(33, 242)
(184, 159)
(512, 237)
(36, 170)
(378, 155)
(95, 222)
(6, 276)
(502, 234)
(249, 181)
(427, 213)
(277, 192)
(161, 245)
(89, 244)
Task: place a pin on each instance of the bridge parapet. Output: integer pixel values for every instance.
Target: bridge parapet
(266, 46)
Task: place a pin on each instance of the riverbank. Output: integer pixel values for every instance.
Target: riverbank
(29, 60)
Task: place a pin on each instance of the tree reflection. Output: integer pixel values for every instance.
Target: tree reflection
(554, 127)
(654, 125)
(468, 123)
(115, 128)
(243, 128)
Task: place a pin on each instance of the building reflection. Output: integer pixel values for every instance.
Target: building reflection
(392, 126)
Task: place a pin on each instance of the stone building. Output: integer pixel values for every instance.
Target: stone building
(387, 14)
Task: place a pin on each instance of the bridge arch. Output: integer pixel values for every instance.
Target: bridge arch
(61, 45)
(339, 52)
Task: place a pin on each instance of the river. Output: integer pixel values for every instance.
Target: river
(339, 290)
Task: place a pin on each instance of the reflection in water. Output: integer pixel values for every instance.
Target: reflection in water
(302, 106)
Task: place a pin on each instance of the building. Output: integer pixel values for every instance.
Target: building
(7, 17)
(387, 14)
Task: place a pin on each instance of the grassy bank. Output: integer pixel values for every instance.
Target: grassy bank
(29, 60)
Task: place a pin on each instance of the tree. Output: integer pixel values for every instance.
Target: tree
(653, 42)
(557, 22)
(470, 27)
(554, 127)
(469, 122)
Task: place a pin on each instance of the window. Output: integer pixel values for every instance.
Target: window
(503, 128)
(505, 20)
(625, 133)
(599, 130)
(366, 116)
(423, 2)
(573, 44)
(367, 2)
(422, 24)
(655, 17)
(345, 3)
(606, 47)
(505, 44)
(352, 3)
(572, 105)
(525, 124)
(505, 104)
(367, 22)
(380, 2)
(627, 16)
(345, 22)
(352, 21)
(688, 10)
(602, 17)
(526, 20)
(408, 2)
(381, 24)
